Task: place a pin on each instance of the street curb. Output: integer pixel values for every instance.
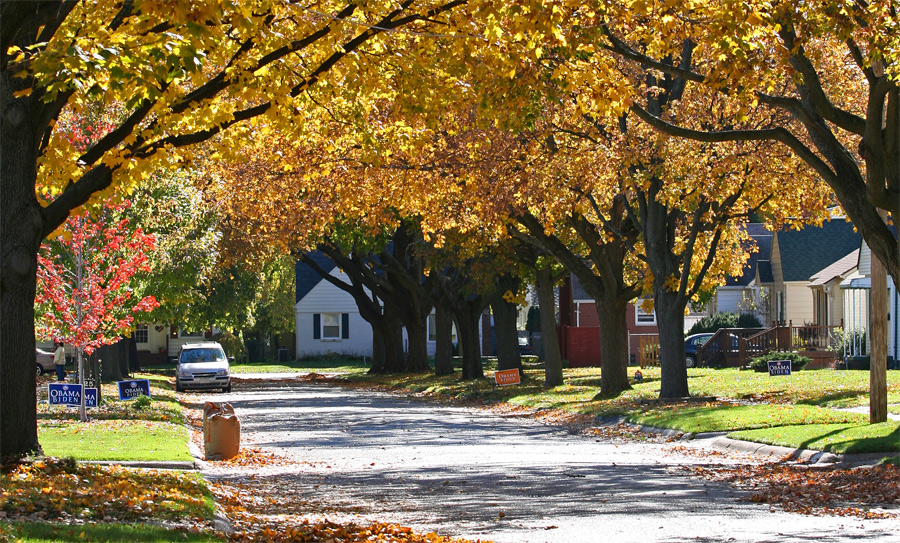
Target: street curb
(221, 522)
(721, 441)
(161, 464)
(761, 449)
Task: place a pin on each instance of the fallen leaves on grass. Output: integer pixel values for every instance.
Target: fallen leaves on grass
(817, 490)
(51, 489)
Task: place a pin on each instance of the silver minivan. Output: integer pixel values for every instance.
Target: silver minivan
(202, 366)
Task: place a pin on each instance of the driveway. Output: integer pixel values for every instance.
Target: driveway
(475, 474)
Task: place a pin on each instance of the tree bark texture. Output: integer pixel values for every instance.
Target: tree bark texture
(21, 231)
(443, 345)
(468, 322)
(878, 338)
(604, 281)
(611, 312)
(505, 320)
(553, 374)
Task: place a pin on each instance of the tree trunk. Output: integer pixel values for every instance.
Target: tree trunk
(611, 312)
(417, 334)
(21, 226)
(443, 344)
(553, 374)
(395, 359)
(670, 320)
(133, 365)
(505, 317)
(878, 338)
(467, 324)
(378, 351)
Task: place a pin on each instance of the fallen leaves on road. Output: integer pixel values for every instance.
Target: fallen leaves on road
(858, 492)
(55, 489)
(264, 511)
(330, 532)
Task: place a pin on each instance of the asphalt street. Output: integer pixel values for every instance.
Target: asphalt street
(471, 473)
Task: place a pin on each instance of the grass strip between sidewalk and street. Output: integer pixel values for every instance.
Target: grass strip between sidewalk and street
(833, 438)
(745, 401)
(98, 533)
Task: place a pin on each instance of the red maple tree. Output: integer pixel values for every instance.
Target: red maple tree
(84, 294)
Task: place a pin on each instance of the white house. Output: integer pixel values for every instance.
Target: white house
(327, 318)
(856, 292)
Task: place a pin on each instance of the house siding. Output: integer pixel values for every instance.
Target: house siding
(728, 299)
(327, 298)
(799, 303)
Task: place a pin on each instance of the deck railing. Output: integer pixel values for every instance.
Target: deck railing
(737, 346)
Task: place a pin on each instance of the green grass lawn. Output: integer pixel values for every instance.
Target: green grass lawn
(143, 429)
(747, 400)
(115, 440)
(33, 532)
(836, 438)
(721, 418)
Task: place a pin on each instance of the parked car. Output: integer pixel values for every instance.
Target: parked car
(202, 366)
(692, 345)
(44, 362)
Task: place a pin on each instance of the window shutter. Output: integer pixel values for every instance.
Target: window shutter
(345, 325)
(317, 326)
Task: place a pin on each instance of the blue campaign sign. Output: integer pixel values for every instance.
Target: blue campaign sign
(779, 367)
(64, 394)
(90, 397)
(129, 390)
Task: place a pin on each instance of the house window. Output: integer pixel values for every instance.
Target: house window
(141, 334)
(331, 325)
(644, 318)
(187, 333)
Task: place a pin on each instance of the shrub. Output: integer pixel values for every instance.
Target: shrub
(141, 402)
(761, 363)
(711, 323)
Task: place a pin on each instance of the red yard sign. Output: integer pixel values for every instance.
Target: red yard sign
(507, 377)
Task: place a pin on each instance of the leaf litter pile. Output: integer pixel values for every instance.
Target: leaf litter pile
(262, 510)
(864, 492)
(51, 489)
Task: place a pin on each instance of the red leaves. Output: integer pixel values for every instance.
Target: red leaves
(84, 280)
(817, 491)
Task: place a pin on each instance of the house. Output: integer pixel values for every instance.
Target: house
(744, 294)
(579, 326)
(796, 257)
(155, 342)
(828, 300)
(855, 291)
(327, 318)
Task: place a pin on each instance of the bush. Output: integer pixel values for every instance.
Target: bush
(533, 322)
(711, 323)
(761, 363)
